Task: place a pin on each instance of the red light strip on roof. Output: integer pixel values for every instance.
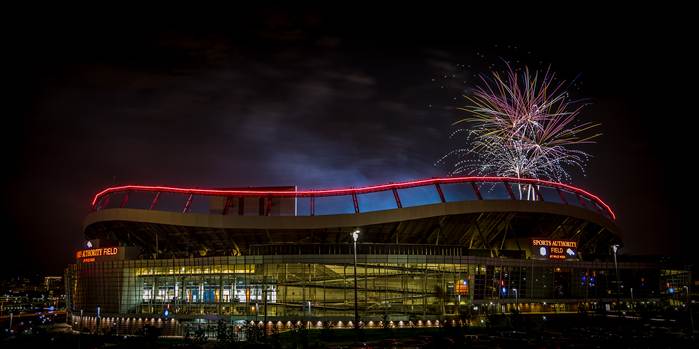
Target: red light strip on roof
(350, 191)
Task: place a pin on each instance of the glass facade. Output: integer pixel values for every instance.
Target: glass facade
(410, 284)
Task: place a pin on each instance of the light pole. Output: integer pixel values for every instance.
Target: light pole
(615, 248)
(80, 330)
(689, 308)
(516, 299)
(633, 303)
(355, 236)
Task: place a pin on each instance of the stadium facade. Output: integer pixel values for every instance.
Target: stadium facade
(429, 251)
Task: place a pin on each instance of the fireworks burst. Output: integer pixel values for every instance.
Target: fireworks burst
(521, 125)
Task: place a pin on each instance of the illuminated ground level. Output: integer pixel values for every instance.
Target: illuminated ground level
(413, 286)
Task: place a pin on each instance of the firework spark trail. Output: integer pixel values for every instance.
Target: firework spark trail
(521, 125)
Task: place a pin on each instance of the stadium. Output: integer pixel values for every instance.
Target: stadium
(427, 253)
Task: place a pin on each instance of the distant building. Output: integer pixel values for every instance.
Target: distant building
(54, 285)
(31, 294)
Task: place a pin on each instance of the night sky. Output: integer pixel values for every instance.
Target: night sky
(320, 98)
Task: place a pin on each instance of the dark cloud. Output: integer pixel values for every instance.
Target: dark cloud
(288, 99)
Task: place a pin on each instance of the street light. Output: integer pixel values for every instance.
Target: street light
(516, 299)
(615, 248)
(633, 303)
(355, 236)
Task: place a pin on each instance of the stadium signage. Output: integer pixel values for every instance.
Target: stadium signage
(92, 255)
(554, 249)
